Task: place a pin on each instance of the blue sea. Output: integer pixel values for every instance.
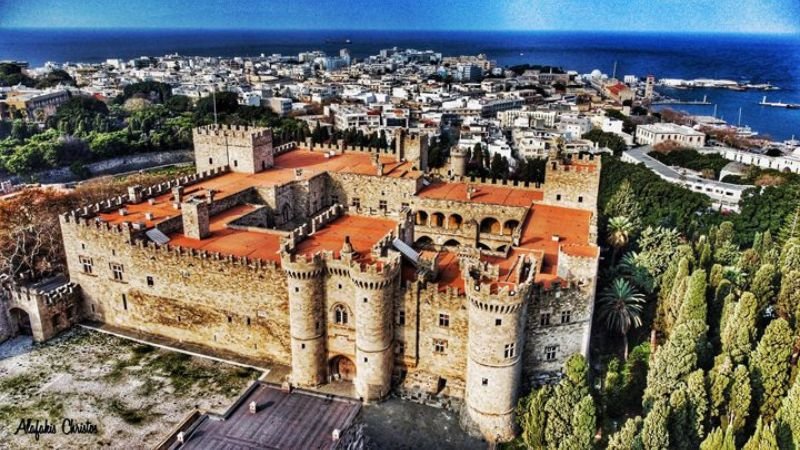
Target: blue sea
(755, 58)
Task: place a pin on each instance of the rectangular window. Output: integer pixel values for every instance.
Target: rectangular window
(150, 281)
(498, 322)
(382, 205)
(544, 319)
(485, 382)
(401, 317)
(116, 271)
(439, 345)
(580, 199)
(87, 264)
(566, 316)
(444, 320)
(124, 302)
(210, 161)
(558, 196)
(510, 350)
(356, 202)
(550, 352)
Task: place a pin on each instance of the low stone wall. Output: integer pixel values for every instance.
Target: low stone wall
(108, 167)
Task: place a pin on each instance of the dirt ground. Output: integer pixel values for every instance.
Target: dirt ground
(133, 394)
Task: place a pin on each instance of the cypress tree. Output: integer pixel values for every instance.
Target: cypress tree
(719, 439)
(790, 256)
(719, 383)
(566, 395)
(763, 438)
(789, 296)
(740, 331)
(739, 400)
(672, 303)
(628, 437)
(583, 425)
(764, 285)
(769, 368)
(532, 418)
(681, 434)
(698, 398)
(787, 424)
(671, 364)
(655, 434)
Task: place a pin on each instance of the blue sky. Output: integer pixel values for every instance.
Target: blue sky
(739, 16)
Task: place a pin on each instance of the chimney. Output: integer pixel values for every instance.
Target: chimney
(253, 408)
(210, 195)
(135, 193)
(195, 219)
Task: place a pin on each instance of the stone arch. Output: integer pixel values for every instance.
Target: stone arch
(421, 218)
(423, 241)
(452, 243)
(483, 246)
(340, 314)
(342, 368)
(454, 222)
(510, 226)
(437, 219)
(490, 225)
(21, 321)
(501, 248)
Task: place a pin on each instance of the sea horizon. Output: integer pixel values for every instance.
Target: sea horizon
(759, 58)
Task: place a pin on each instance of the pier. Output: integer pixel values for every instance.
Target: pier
(764, 102)
(675, 101)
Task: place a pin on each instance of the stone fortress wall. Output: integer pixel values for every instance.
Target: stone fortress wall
(480, 345)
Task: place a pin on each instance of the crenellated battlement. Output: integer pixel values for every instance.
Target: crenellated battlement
(139, 194)
(195, 255)
(243, 132)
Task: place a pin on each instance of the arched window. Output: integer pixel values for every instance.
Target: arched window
(340, 315)
(422, 218)
(454, 222)
(437, 220)
(509, 226)
(286, 212)
(490, 225)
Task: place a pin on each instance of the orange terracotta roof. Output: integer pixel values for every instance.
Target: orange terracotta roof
(571, 225)
(488, 194)
(449, 272)
(230, 183)
(348, 162)
(364, 232)
(233, 242)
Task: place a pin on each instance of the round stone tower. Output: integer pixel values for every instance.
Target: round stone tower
(307, 320)
(374, 310)
(494, 363)
(458, 161)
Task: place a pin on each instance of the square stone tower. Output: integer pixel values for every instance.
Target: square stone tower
(195, 218)
(242, 148)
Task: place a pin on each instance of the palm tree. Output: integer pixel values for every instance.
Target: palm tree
(620, 229)
(621, 308)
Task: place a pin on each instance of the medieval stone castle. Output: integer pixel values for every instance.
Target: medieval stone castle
(351, 266)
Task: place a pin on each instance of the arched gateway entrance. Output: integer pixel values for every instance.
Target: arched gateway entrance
(21, 321)
(342, 368)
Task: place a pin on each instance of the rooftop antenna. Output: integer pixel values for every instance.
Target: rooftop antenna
(214, 100)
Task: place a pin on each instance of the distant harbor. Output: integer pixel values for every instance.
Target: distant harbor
(764, 102)
(674, 101)
(678, 83)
